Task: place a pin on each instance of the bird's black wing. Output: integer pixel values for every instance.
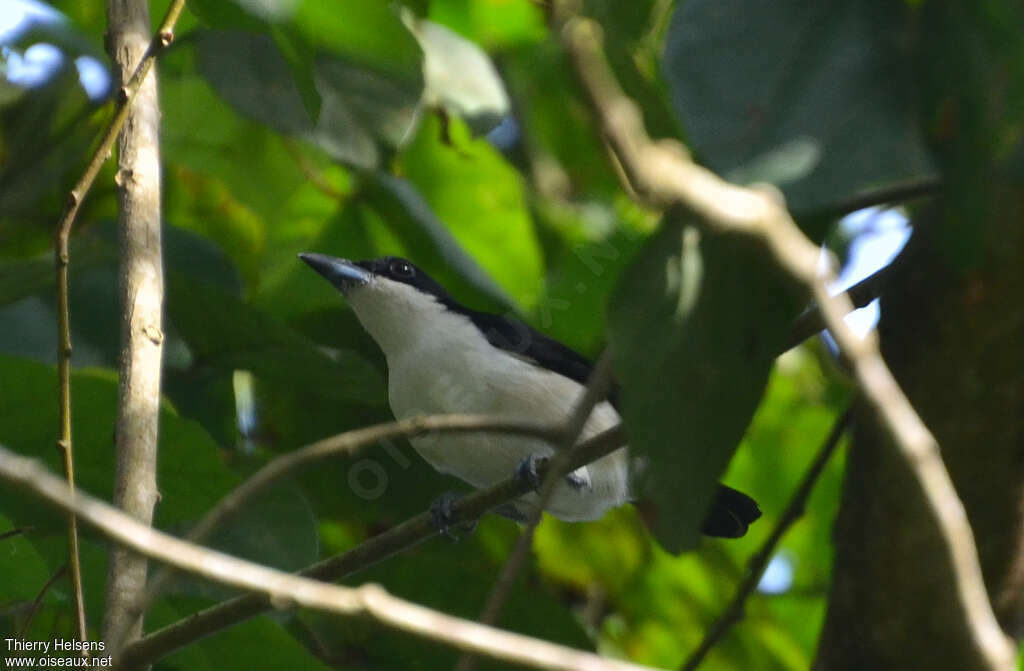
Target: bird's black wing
(513, 336)
(731, 511)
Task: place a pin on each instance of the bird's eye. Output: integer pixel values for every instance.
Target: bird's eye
(402, 269)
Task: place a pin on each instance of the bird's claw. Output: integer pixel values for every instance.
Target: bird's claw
(441, 515)
(530, 470)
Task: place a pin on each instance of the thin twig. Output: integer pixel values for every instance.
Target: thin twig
(61, 255)
(887, 195)
(811, 321)
(311, 172)
(664, 175)
(596, 390)
(39, 598)
(410, 533)
(163, 38)
(759, 561)
(284, 590)
(345, 443)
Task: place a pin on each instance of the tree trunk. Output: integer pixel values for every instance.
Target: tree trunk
(954, 338)
(138, 180)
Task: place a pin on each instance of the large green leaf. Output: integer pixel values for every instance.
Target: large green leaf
(251, 74)
(192, 476)
(44, 134)
(429, 242)
(278, 529)
(493, 25)
(366, 112)
(21, 278)
(224, 333)
(814, 97)
(694, 325)
(480, 199)
(348, 79)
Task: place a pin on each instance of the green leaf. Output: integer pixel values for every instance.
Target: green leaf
(225, 333)
(758, 84)
(493, 25)
(480, 198)
(367, 32)
(365, 112)
(251, 74)
(429, 242)
(26, 277)
(44, 134)
(221, 14)
(23, 568)
(694, 324)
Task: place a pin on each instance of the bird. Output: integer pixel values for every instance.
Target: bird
(444, 357)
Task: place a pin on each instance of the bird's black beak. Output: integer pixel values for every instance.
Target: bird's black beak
(342, 273)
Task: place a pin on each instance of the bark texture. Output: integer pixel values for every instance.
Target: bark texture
(954, 338)
(141, 288)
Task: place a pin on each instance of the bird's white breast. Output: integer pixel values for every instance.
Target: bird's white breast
(439, 362)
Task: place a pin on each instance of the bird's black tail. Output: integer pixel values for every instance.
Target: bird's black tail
(731, 514)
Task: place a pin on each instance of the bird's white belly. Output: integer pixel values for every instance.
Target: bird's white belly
(444, 379)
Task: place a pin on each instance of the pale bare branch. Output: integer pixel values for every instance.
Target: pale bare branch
(286, 590)
(663, 173)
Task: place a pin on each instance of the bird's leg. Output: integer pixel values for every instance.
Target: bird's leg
(529, 472)
(441, 514)
(510, 511)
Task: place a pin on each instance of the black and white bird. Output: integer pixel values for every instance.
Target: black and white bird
(443, 357)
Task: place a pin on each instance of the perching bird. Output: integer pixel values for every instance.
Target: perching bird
(445, 358)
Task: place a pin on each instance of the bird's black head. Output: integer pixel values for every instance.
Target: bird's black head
(397, 269)
(347, 275)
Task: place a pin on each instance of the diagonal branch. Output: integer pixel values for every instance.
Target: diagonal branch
(597, 388)
(57, 575)
(162, 642)
(664, 174)
(283, 589)
(810, 321)
(757, 564)
(345, 443)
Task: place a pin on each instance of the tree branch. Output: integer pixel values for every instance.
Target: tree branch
(39, 598)
(413, 531)
(344, 443)
(757, 564)
(596, 390)
(664, 174)
(285, 590)
(810, 321)
(75, 197)
(141, 292)
(889, 194)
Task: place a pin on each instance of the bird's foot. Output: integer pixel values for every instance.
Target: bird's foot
(441, 515)
(530, 471)
(510, 511)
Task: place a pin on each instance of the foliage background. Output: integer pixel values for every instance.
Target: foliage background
(294, 126)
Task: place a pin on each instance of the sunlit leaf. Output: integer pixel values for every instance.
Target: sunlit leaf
(459, 76)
